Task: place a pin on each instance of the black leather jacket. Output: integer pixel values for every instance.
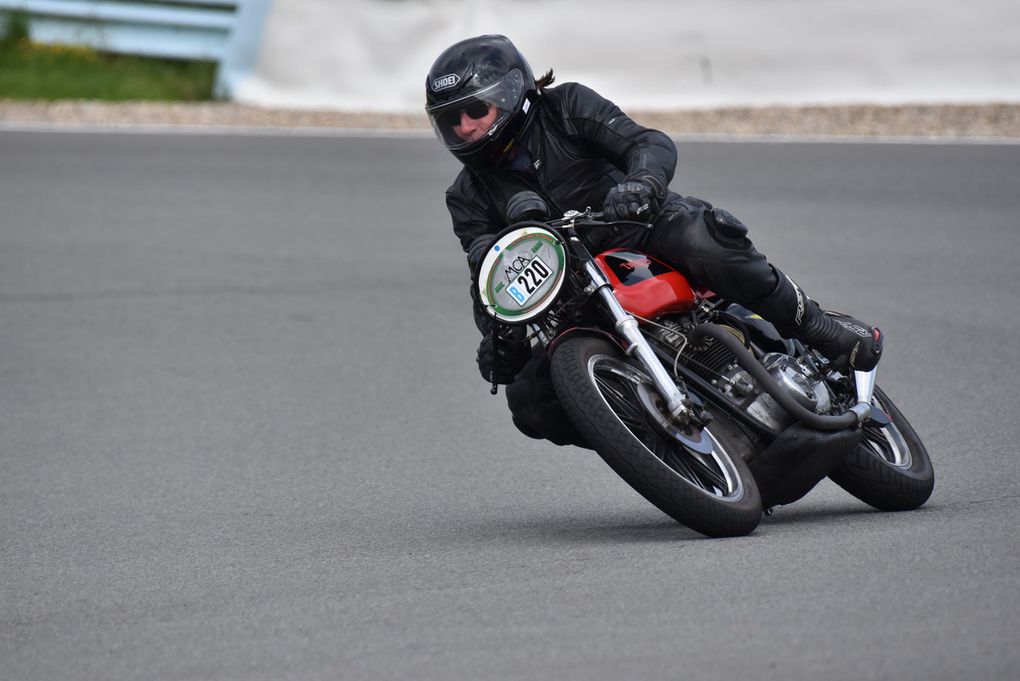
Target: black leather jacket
(579, 146)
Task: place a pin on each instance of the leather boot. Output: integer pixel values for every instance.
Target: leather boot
(845, 341)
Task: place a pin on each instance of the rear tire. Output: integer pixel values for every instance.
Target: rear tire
(890, 470)
(714, 494)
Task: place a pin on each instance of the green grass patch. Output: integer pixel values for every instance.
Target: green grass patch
(48, 72)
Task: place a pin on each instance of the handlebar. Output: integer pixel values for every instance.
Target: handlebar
(590, 218)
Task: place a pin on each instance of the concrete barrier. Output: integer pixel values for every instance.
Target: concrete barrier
(372, 55)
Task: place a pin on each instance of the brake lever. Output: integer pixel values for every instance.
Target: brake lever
(495, 356)
(588, 218)
(607, 223)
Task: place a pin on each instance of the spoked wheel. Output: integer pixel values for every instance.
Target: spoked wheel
(696, 476)
(890, 469)
(630, 394)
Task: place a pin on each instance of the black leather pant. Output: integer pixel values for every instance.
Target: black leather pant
(536, 411)
(711, 248)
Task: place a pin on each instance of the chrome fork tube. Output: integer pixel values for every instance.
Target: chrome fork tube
(864, 382)
(627, 327)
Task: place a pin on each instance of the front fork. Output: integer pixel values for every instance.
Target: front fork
(637, 346)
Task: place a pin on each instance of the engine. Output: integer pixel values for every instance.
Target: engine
(717, 365)
(797, 380)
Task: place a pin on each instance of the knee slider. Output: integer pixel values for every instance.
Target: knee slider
(725, 226)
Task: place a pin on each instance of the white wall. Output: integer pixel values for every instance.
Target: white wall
(374, 54)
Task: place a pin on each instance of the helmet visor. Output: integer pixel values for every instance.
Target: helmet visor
(478, 115)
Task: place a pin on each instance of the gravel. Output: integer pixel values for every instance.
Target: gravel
(995, 120)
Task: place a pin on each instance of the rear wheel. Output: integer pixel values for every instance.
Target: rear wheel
(705, 484)
(890, 469)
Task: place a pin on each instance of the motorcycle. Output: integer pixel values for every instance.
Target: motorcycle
(696, 402)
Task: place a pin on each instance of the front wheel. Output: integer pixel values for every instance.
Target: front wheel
(606, 398)
(890, 469)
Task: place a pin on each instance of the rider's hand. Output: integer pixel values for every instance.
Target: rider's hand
(635, 199)
(502, 366)
(478, 248)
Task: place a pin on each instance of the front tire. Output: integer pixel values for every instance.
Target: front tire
(714, 494)
(890, 470)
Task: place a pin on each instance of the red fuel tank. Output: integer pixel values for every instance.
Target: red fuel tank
(646, 287)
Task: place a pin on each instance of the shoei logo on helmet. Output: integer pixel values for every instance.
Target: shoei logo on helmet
(446, 81)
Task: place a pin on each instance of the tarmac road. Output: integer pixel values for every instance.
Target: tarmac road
(242, 435)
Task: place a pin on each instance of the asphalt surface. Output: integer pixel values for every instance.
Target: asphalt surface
(242, 435)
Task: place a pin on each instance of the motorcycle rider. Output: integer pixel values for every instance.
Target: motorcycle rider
(576, 149)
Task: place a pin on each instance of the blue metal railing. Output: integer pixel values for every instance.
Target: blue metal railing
(225, 31)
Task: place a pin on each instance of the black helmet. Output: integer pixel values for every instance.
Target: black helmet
(488, 80)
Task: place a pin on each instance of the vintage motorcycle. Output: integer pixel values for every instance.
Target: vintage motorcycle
(696, 402)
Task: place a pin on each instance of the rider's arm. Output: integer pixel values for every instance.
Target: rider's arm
(476, 232)
(471, 221)
(640, 152)
(499, 363)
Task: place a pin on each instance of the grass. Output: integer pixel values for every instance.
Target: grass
(50, 72)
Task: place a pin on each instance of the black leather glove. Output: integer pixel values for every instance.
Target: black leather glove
(477, 248)
(507, 361)
(636, 199)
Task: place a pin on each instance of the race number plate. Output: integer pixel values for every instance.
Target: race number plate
(521, 274)
(530, 280)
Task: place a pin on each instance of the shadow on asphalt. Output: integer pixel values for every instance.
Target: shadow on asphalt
(589, 529)
(629, 529)
(784, 515)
